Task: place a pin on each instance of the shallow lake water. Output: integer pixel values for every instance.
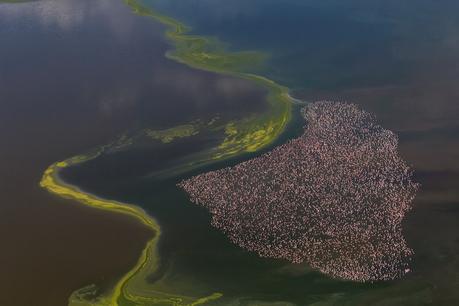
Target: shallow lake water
(78, 74)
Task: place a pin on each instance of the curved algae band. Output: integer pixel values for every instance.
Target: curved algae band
(126, 290)
(246, 135)
(206, 53)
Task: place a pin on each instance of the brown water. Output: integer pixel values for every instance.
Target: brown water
(73, 75)
(51, 246)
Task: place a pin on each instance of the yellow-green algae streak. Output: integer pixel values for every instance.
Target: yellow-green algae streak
(131, 289)
(168, 135)
(207, 53)
(246, 135)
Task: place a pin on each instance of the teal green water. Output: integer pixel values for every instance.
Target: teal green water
(398, 60)
(394, 59)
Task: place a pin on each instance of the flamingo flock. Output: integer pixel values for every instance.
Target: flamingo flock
(334, 198)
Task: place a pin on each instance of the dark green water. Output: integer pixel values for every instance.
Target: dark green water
(395, 60)
(398, 60)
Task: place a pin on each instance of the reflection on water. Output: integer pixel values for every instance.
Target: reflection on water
(126, 59)
(49, 89)
(332, 44)
(75, 74)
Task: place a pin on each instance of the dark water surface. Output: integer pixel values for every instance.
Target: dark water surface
(51, 95)
(74, 74)
(398, 60)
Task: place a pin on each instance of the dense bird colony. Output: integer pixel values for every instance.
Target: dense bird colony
(334, 197)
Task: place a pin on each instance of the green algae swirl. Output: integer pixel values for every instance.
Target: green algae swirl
(209, 54)
(245, 135)
(168, 135)
(131, 289)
